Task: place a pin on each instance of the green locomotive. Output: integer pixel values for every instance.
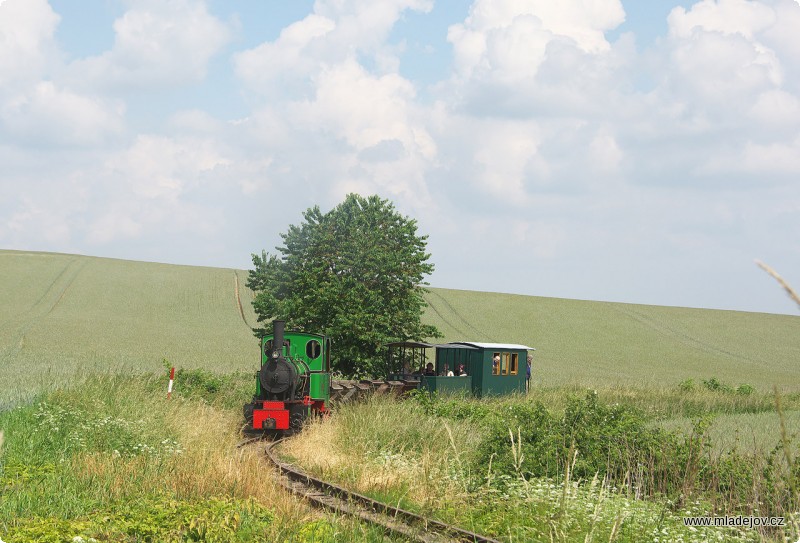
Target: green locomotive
(292, 384)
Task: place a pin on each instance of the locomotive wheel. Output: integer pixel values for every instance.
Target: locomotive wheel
(296, 423)
(248, 413)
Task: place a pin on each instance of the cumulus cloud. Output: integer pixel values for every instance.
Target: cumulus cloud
(36, 108)
(728, 77)
(336, 32)
(313, 87)
(27, 44)
(509, 35)
(157, 45)
(47, 115)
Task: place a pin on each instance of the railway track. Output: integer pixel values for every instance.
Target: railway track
(392, 519)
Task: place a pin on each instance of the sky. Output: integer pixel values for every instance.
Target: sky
(615, 150)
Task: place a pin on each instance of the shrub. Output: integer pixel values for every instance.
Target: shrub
(745, 390)
(687, 385)
(715, 384)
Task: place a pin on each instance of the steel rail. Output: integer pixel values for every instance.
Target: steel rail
(392, 519)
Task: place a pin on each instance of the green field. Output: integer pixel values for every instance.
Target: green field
(101, 453)
(66, 316)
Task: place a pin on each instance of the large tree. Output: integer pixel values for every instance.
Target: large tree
(355, 274)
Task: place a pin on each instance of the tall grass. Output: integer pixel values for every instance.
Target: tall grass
(403, 455)
(475, 464)
(114, 460)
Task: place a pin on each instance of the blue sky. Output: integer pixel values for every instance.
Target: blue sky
(642, 152)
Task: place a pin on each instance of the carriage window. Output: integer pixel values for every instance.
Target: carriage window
(505, 363)
(496, 364)
(313, 349)
(514, 363)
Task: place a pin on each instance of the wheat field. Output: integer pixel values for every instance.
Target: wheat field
(66, 316)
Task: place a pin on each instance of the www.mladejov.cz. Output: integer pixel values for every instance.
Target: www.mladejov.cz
(735, 521)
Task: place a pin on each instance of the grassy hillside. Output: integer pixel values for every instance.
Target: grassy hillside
(583, 342)
(66, 315)
(63, 316)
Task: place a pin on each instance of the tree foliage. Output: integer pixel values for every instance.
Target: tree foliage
(354, 274)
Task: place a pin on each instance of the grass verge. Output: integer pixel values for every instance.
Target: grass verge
(113, 460)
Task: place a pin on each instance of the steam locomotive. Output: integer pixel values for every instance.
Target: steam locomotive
(292, 384)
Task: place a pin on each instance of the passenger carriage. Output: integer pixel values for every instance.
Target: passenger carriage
(491, 368)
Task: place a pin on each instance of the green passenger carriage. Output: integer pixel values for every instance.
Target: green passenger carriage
(481, 369)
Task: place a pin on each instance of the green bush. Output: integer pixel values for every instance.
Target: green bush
(745, 390)
(716, 385)
(687, 385)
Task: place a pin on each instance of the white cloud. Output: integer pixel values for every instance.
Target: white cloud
(776, 107)
(48, 115)
(716, 67)
(336, 32)
(283, 65)
(723, 16)
(162, 168)
(604, 153)
(27, 46)
(501, 37)
(113, 226)
(507, 156)
(363, 25)
(36, 108)
(157, 44)
(314, 91)
(728, 81)
(772, 158)
(362, 108)
(32, 216)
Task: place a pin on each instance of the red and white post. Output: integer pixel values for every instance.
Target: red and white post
(171, 380)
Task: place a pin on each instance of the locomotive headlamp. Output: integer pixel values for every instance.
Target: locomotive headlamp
(276, 354)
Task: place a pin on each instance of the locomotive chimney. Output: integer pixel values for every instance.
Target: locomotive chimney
(277, 339)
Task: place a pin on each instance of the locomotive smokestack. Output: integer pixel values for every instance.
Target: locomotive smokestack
(277, 339)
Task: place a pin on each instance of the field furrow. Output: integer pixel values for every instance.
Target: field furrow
(680, 336)
(16, 328)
